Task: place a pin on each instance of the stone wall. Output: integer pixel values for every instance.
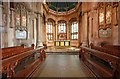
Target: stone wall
(33, 26)
(37, 17)
(90, 26)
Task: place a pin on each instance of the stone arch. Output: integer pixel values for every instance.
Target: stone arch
(51, 19)
(73, 19)
(62, 21)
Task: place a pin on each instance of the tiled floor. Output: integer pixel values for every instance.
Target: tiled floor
(62, 66)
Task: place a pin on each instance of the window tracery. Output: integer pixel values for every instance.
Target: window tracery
(49, 30)
(62, 30)
(74, 30)
(20, 15)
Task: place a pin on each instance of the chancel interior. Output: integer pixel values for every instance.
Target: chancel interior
(60, 39)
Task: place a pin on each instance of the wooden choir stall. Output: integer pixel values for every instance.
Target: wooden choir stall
(102, 61)
(19, 61)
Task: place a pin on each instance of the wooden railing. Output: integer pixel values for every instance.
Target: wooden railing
(102, 64)
(22, 64)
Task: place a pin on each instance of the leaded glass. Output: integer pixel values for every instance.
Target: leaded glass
(74, 30)
(101, 16)
(61, 27)
(108, 14)
(49, 31)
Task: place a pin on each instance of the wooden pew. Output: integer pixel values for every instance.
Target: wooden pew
(11, 51)
(22, 64)
(101, 61)
(110, 49)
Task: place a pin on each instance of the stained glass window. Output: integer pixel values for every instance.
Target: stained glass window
(49, 31)
(101, 16)
(74, 30)
(105, 18)
(20, 15)
(108, 14)
(62, 27)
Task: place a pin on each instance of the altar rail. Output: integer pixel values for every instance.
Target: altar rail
(101, 62)
(22, 64)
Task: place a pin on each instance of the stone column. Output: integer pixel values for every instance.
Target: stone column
(0, 39)
(32, 28)
(0, 26)
(40, 35)
(56, 30)
(43, 28)
(80, 29)
(85, 41)
(29, 29)
(7, 24)
(11, 27)
(39, 30)
(67, 27)
(119, 24)
(44, 31)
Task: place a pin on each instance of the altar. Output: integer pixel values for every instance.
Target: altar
(62, 43)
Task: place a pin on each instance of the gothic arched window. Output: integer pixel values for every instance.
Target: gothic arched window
(20, 15)
(61, 27)
(62, 30)
(74, 30)
(49, 30)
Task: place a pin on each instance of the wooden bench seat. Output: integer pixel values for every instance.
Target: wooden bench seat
(102, 61)
(23, 63)
(110, 49)
(11, 51)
